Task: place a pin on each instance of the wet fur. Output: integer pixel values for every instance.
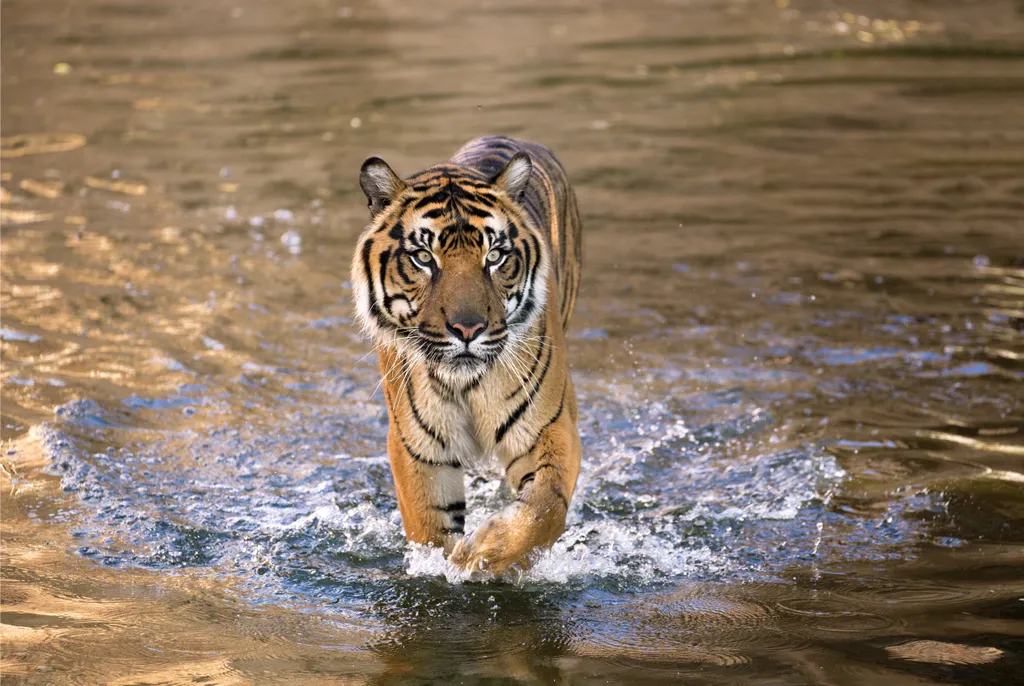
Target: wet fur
(509, 394)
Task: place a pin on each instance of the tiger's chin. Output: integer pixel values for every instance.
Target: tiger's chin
(462, 370)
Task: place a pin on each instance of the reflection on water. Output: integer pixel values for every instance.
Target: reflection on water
(798, 349)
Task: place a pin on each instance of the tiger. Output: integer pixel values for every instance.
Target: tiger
(465, 279)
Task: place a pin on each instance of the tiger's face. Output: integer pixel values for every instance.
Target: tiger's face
(450, 270)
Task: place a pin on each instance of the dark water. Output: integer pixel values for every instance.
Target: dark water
(799, 346)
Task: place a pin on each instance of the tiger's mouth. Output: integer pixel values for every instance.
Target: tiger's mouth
(467, 360)
(459, 358)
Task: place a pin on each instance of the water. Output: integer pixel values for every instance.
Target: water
(798, 347)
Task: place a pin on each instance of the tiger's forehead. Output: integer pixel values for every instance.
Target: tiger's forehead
(452, 206)
(441, 175)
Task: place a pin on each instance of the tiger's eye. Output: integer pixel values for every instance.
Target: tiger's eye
(493, 256)
(423, 257)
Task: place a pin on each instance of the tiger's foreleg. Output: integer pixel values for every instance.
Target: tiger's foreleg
(431, 496)
(544, 479)
(430, 487)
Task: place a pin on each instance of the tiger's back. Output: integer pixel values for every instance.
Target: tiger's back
(548, 199)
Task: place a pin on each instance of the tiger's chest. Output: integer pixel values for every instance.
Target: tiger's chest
(446, 426)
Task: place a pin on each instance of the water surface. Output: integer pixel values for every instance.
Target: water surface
(798, 347)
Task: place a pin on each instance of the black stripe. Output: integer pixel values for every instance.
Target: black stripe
(527, 258)
(555, 488)
(444, 238)
(419, 458)
(440, 197)
(518, 412)
(400, 266)
(472, 210)
(516, 263)
(458, 192)
(526, 310)
(562, 228)
(374, 307)
(389, 300)
(440, 387)
(456, 506)
(453, 530)
(561, 406)
(424, 331)
(530, 476)
(494, 342)
(540, 353)
(382, 259)
(419, 420)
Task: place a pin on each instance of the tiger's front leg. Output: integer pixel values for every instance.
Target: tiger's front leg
(545, 479)
(431, 496)
(429, 482)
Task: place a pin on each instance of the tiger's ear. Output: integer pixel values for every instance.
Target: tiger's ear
(514, 177)
(379, 183)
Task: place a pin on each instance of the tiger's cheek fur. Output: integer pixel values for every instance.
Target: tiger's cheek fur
(405, 289)
(387, 289)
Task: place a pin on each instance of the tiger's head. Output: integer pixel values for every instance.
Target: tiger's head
(450, 270)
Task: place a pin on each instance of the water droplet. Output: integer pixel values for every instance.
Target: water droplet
(293, 240)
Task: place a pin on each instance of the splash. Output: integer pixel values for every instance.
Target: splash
(657, 501)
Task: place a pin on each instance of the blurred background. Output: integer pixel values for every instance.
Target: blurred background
(798, 348)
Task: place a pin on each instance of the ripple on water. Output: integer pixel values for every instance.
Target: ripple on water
(699, 623)
(835, 615)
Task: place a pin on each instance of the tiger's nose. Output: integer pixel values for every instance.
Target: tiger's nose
(467, 328)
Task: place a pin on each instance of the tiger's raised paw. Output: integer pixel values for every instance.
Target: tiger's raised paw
(500, 544)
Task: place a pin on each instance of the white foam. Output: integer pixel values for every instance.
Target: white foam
(429, 561)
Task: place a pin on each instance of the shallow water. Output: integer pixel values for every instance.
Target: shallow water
(798, 348)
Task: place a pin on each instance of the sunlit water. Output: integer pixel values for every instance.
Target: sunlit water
(798, 347)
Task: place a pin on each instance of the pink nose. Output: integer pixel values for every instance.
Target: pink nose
(467, 329)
